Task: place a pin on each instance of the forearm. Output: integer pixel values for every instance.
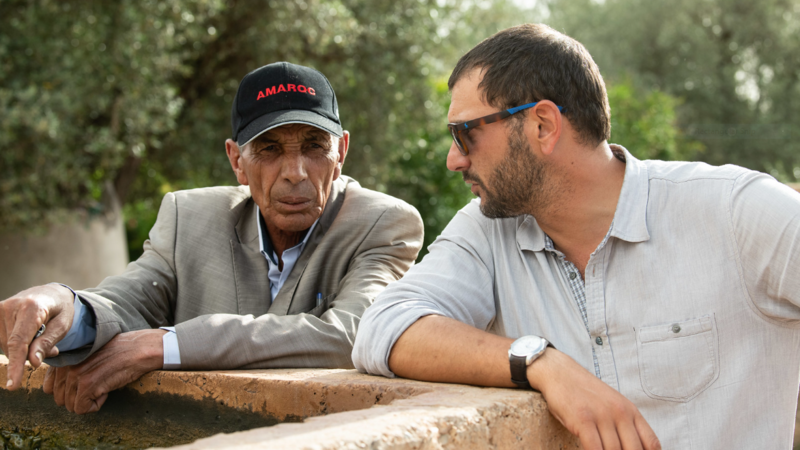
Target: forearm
(227, 341)
(437, 348)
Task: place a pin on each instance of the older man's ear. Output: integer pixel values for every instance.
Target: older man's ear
(344, 145)
(235, 157)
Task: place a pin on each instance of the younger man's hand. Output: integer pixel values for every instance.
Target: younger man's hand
(601, 417)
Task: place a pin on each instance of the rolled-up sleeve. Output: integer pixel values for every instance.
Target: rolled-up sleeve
(455, 279)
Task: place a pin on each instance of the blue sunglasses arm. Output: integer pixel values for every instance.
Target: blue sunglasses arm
(526, 106)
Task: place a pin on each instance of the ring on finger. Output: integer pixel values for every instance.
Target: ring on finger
(41, 331)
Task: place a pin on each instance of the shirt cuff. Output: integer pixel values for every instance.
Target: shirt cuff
(172, 354)
(83, 330)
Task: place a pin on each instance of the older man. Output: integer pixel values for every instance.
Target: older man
(646, 300)
(273, 273)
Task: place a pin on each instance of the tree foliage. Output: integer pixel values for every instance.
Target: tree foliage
(85, 85)
(645, 122)
(732, 63)
(132, 98)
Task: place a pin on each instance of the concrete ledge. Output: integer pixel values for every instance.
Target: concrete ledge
(447, 417)
(340, 409)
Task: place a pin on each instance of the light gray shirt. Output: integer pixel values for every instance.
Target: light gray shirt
(692, 303)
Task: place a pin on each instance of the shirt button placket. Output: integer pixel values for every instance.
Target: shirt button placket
(595, 303)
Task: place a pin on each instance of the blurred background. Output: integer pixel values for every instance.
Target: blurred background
(107, 105)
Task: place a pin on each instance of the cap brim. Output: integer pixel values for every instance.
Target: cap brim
(279, 118)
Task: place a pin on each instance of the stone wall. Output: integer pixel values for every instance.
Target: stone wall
(79, 254)
(339, 409)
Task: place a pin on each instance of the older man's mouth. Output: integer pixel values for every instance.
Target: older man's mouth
(291, 204)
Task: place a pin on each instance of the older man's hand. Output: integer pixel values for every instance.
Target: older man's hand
(22, 315)
(84, 388)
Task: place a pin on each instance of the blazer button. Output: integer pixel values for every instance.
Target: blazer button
(599, 340)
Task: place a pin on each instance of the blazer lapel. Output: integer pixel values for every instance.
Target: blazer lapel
(250, 268)
(282, 302)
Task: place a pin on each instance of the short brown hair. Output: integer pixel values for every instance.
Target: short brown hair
(533, 62)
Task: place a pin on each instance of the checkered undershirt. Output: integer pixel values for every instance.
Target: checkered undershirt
(573, 278)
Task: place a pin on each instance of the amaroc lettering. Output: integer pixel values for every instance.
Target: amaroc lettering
(288, 88)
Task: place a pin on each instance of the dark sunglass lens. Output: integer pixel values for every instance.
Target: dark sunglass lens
(459, 143)
(462, 146)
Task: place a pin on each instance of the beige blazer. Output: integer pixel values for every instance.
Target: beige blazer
(203, 272)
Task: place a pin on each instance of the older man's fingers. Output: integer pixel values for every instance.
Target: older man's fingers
(23, 325)
(58, 385)
(21, 316)
(49, 379)
(44, 346)
(97, 403)
(3, 334)
(71, 389)
(90, 396)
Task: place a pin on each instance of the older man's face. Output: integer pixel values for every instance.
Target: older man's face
(290, 170)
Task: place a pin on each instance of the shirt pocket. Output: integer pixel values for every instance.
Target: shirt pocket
(323, 306)
(678, 360)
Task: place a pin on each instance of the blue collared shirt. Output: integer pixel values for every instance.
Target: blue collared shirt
(290, 256)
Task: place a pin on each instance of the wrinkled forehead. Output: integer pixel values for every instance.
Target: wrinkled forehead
(294, 132)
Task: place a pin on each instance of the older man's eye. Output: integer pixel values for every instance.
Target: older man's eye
(267, 148)
(316, 146)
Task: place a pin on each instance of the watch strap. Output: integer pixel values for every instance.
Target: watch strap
(519, 371)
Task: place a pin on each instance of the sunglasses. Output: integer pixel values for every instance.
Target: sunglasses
(456, 129)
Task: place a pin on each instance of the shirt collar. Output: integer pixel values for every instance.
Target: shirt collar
(630, 217)
(529, 235)
(265, 243)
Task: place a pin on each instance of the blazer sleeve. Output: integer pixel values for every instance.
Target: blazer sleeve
(142, 297)
(216, 341)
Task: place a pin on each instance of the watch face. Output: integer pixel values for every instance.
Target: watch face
(528, 345)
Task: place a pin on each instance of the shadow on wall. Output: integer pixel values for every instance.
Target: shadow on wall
(79, 254)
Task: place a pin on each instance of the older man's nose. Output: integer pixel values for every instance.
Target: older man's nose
(294, 169)
(455, 160)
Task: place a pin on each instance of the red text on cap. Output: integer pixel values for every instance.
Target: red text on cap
(288, 88)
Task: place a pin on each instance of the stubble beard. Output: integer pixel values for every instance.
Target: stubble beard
(518, 183)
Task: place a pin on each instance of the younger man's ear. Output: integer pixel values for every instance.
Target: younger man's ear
(548, 123)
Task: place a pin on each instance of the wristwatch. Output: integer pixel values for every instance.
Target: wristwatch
(523, 353)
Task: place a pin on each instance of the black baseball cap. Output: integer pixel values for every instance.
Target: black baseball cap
(282, 93)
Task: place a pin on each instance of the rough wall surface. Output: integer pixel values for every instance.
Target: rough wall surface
(449, 417)
(77, 254)
(344, 409)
